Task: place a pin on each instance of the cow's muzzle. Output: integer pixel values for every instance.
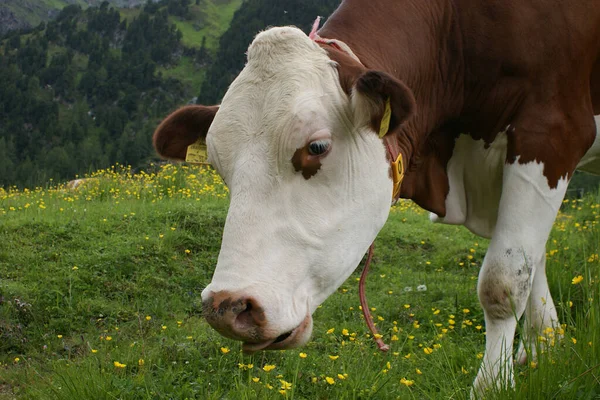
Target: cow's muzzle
(243, 318)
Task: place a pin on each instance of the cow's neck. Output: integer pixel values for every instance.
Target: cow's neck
(422, 47)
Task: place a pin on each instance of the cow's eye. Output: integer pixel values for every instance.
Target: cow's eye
(319, 147)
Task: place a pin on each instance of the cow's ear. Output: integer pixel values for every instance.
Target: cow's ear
(382, 101)
(181, 129)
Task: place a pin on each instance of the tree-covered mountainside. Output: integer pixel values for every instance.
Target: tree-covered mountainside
(251, 18)
(23, 14)
(86, 89)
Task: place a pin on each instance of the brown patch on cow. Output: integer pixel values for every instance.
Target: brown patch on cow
(495, 299)
(541, 136)
(481, 67)
(305, 162)
(595, 87)
(181, 129)
(426, 183)
(379, 86)
(348, 68)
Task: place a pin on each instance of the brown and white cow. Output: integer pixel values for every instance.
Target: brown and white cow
(492, 109)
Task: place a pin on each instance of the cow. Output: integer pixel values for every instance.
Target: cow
(484, 108)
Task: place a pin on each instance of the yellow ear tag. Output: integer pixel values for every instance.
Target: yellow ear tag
(384, 127)
(197, 153)
(397, 175)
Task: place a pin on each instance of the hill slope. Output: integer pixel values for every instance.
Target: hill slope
(100, 299)
(22, 14)
(87, 89)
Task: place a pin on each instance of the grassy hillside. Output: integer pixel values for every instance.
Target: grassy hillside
(208, 21)
(100, 298)
(100, 79)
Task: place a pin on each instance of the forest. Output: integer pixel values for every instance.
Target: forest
(86, 90)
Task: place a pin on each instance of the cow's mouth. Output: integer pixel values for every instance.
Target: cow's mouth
(294, 338)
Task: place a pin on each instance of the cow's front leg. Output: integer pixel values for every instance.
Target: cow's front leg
(540, 314)
(528, 207)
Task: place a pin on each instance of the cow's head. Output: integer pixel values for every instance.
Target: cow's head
(295, 140)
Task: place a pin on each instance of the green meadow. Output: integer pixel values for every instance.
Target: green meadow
(100, 299)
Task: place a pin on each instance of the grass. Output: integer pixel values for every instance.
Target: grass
(187, 72)
(210, 19)
(100, 290)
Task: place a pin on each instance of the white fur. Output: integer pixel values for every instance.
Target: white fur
(290, 242)
(475, 177)
(512, 204)
(528, 207)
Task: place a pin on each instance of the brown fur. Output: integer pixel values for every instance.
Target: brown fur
(303, 161)
(475, 67)
(181, 129)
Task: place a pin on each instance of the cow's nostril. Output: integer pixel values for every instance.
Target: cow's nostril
(245, 318)
(235, 316)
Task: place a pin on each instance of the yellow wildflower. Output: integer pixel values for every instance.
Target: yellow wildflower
(268, 367)
(225, 350)
(285, 385)
(577, 279)
(334, 357)
(407, 382)
(330, 380)
(302, 355)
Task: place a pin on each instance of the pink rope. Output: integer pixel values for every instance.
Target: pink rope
(313, 33)
(363, 302)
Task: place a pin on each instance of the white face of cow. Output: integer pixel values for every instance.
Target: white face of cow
(310, 189)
